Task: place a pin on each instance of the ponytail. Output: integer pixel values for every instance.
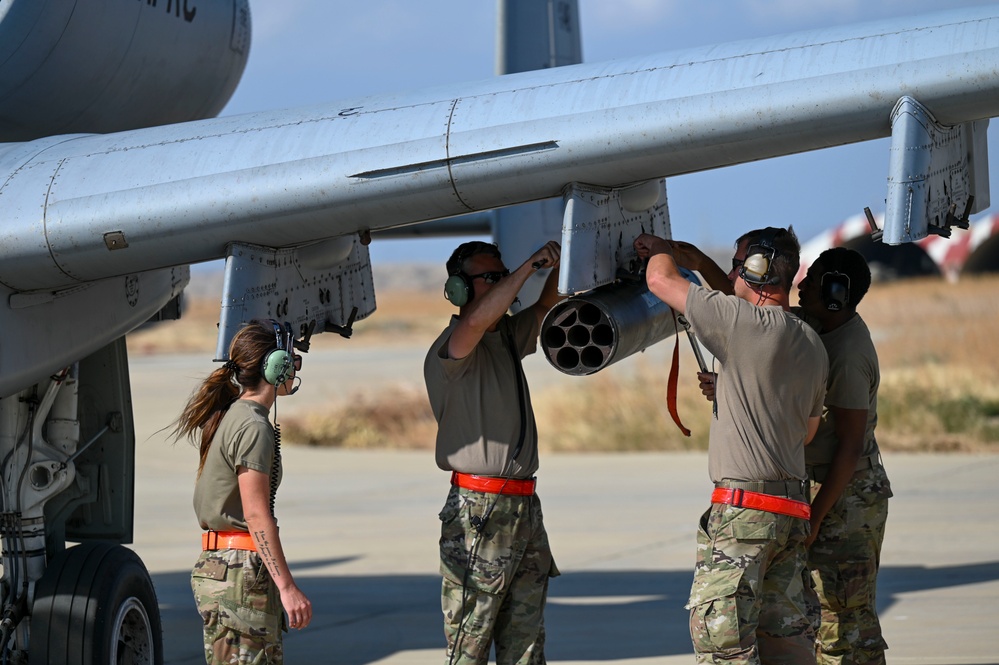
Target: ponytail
(211, 401)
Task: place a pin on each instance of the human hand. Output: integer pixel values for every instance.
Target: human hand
(548, 256)
(648, 245)
(707, 384)
(298, 607)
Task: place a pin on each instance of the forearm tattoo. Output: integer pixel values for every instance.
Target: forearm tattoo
(264, 547)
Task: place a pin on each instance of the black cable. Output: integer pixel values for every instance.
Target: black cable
(520, 395)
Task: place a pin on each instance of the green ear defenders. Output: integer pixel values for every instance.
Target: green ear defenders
(277, 364)
(458, 289)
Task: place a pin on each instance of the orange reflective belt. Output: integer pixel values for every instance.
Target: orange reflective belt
(758, 501)
(491, 485)
(227, 540)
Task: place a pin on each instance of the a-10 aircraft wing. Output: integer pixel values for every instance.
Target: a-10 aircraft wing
(98, 226)
(80, 209)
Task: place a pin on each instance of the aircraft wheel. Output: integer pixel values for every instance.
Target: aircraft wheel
(95, 605)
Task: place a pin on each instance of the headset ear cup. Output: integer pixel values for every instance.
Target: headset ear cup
(835, 291)
(276, 367)
(457, 290)
(755, 268)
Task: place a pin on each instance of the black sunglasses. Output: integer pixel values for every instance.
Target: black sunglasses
(737, 263)
(491, 277)
(297, 361)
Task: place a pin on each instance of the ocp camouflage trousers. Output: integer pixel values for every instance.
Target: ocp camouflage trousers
(844, 562)
(240, 607)
(747, 601)
(495, 577)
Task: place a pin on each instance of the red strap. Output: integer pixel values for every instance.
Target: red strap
(757, 501)
(491, 485)
(674, 375)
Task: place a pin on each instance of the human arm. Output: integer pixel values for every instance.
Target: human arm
(483, 313)
(813, 427)
(254, 490)
(549, 293)
(850, 427)
(662, 275)
(691, 257)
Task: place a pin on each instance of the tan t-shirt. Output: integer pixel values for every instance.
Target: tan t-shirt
(854, 376)
(771, 380)
(244, 438)
(482, 402)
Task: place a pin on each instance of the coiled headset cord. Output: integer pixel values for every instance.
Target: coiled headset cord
(275, 465)
(276, 461)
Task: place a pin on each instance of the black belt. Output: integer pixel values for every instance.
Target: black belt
(819, 472)
(791, 487)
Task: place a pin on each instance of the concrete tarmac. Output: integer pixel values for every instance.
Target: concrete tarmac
(360, 530)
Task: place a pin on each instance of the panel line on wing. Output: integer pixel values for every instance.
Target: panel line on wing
(406, 169)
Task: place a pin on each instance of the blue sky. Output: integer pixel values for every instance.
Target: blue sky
(313, 51)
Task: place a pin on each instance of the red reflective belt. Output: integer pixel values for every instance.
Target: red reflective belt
(494, 485)
(757, 501)
(227, 540)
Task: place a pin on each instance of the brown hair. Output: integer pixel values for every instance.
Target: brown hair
(212, 399)
(466, 250)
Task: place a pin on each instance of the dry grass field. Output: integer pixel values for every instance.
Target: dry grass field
(936, 343)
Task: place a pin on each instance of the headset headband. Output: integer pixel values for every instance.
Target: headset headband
(278, 335)
(456, 264)
(760, 256)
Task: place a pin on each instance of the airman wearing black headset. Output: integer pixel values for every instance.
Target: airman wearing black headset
(751, 541)
(849, 485)
(495, 556)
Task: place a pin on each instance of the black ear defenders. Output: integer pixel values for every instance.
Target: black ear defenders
(759, 260)
(277, 364)
(835, 288)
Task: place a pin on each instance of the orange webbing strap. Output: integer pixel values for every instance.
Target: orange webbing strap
(674, 375)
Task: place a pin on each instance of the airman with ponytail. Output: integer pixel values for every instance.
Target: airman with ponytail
(241, 581)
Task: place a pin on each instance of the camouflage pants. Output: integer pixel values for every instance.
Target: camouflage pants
(747, 601)
(240, 607)
(495, 582)
(844, 562)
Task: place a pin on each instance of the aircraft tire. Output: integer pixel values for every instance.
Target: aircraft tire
(96, 605)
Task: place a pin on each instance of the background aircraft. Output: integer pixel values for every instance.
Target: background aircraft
(98, 228)
(970, 251)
